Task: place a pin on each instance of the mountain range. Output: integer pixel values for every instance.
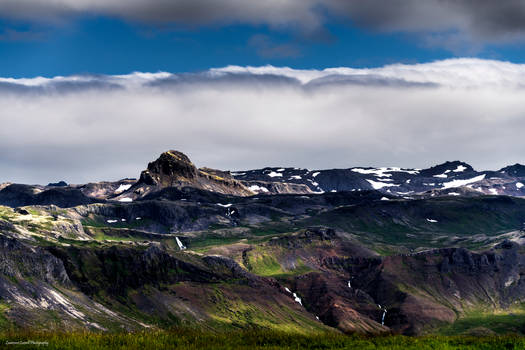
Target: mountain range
(363, 249)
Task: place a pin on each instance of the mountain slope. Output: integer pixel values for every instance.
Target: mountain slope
(199, 248)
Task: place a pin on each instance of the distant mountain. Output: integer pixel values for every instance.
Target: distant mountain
(174, 169)
(516, 170)
(454, 178)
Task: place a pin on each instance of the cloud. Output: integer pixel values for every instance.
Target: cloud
(457, 25)
(443, 22)
(484, 18)
(90, 128)
(276, 13)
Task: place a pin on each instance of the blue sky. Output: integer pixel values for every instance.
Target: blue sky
(114, 43)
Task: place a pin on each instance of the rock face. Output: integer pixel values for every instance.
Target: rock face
(266, 187)
(21, 261)
(174, 169)
(171, 169)
(419, 291)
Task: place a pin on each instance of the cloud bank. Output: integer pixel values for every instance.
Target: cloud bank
(443, 22)
(90, 128)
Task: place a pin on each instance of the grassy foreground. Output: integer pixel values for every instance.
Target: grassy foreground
(192, 339)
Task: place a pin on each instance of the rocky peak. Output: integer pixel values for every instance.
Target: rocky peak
(455, 167)
(174, 169)
(170, 169)
(516, 170)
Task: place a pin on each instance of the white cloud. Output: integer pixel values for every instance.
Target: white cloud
(88, 128)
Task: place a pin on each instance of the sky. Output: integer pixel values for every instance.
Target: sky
(92, 90)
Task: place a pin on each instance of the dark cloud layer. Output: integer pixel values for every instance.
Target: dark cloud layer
(473, 20)
(477, 19)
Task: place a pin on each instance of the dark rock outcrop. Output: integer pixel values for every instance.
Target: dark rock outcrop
(57, 184)
(16, 195)
(174, 169)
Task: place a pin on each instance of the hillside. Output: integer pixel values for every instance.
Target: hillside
(199, 248)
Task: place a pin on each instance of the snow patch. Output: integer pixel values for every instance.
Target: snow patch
(297, 299)
(274, 174)
(379, 185)
(111, 221)
(459, 183)
(383, 172)
(385, 199)
(376, 172)
(224, 205)
(122, 188)
(519, 185)
(460, 169)
(316, 173)
(431, 220)
(125, 199)
(255, 188)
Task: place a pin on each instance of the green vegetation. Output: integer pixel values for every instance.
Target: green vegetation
(399, 227)
(231, 311)
(6, 213)
(220, 235)
(264, 265)
(211, 240)
(4, 322)
(263, 261)
(488, 322)
(98, 222)
(272, 228)
(252, 340)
